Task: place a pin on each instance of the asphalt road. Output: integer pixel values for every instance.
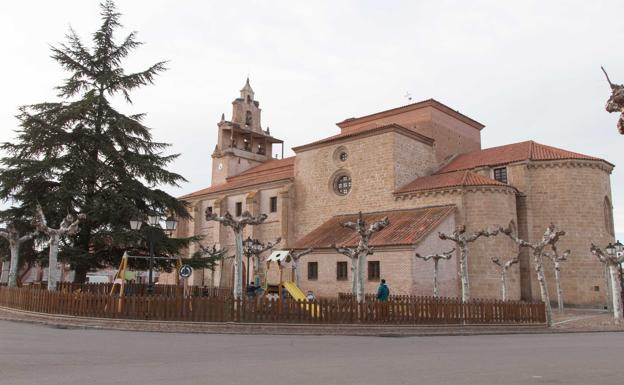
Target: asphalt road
(33, 354)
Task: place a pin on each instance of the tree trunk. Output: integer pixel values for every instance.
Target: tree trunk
(435, 278)
(80, 273)
(463, 269)
(559, 291)
(539, 267)
(297, 272)
(361, 268)
(4, 276)
(238, 265)
(54, 270)
(504, 285)
(616, 293)
(14, 265)
(354, 275)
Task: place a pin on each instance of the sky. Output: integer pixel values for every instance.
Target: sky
(527, 70)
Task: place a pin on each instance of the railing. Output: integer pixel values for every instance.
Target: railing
(425, 310)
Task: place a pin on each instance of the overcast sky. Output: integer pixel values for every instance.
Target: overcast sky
(527, 70)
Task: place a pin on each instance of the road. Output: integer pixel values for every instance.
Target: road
(34, 354)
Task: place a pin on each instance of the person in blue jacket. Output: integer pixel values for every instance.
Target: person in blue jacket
(383, 292)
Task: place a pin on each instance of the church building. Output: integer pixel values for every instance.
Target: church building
(422, 166)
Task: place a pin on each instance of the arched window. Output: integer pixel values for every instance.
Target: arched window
(608, 216)
(248, 118)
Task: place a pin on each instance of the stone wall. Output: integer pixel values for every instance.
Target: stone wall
(377, 165)
(572, 195)
(490, 208)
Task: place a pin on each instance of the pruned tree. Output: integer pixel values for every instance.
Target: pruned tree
(69, 226)
(362, 250)
(616, 101)
(503, 267)
(295, 256)
(237, 226)
(207, 257)
(11, 234)
(462, 239)
(556, 260)
(351, 253)
(612, 262)
(436, 258)
(255, 248)
(551, 237)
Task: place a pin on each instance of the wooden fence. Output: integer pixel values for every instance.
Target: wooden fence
(142, 289)
(420, 310)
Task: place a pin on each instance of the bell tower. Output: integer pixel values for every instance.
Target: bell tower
(242, 143)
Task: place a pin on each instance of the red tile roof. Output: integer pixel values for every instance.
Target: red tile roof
(270, 171)
(413, 106)
(406, 227)
(510, 153)
(452, 179)
(369, 130)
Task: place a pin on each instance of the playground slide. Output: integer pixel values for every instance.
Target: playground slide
(294, 291)
(297, 294)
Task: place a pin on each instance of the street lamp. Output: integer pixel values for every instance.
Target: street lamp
(135, 223)
(171, 224)
(610, 249)
(248, 250)
(153, 220)
(619, 247)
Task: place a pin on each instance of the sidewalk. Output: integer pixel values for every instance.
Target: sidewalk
(584, 320)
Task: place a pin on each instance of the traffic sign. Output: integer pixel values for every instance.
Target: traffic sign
(185, 271)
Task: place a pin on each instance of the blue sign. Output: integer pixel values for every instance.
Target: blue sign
(186, 271)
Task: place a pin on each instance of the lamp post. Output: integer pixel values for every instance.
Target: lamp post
(248, 251)
(153, 220)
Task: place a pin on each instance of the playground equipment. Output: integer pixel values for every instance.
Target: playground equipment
(123, 274)
(281, 257)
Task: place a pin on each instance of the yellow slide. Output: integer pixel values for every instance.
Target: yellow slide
(294, 291)
(297, 294)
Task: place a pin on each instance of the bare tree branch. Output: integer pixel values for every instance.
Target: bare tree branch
(436, 258)
(461, 240)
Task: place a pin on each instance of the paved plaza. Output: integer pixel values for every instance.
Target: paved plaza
(32, 354)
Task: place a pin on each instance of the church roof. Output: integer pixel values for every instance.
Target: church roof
(374, 130)
(406, 227)
(511, 153)
(409, 107)
(271, 171)
(452, 179)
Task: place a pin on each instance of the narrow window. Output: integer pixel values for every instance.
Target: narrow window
(608, 216)
(312, 271)
(209, 210)
(239, 209)
(500, 174)
(248, 118)
(273, 204)
(373, 271)
(341, 271)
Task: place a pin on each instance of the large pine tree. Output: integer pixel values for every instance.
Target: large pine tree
(81, 154)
